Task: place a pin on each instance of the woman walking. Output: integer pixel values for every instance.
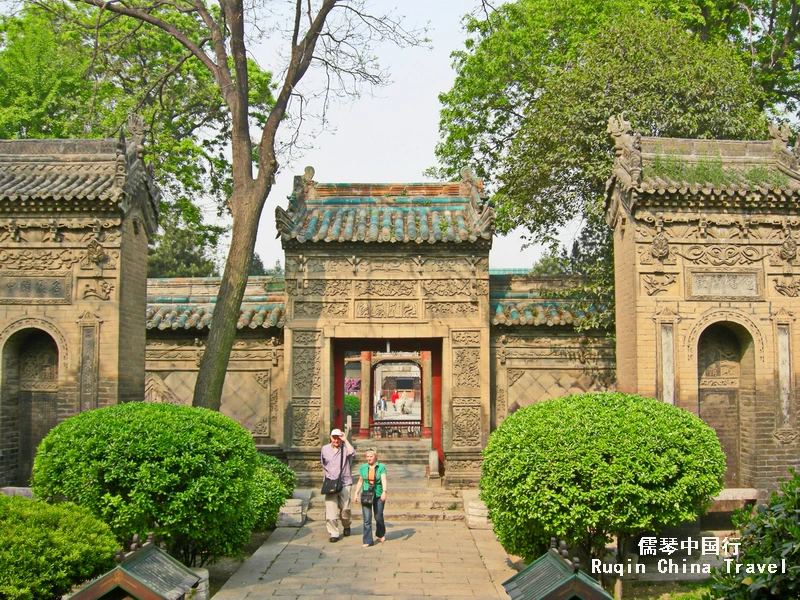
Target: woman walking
(371, 492)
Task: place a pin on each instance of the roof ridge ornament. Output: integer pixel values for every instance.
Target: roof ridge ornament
(781, 134)
(137, 129)
(627, 148)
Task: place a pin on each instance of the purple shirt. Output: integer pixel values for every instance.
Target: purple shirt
(331, 461)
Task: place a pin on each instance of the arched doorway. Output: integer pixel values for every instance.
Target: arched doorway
(726, 373)
(29, 393)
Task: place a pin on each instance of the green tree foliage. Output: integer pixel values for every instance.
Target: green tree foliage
(534, 90)
(184, 473)
(45, 550)
(60, 80)
(352, 406)
(769, 535)
(587, 467)
(178, 253)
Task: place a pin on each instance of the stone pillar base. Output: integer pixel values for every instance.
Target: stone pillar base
(307, 467)
(462, 470)
(478, 515)
(292, 513)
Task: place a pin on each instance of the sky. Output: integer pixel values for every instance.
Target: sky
(390, 137)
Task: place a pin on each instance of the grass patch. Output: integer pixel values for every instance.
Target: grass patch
(711, 170)
(665, 590)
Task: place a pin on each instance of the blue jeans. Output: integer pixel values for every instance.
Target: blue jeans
(380, 526)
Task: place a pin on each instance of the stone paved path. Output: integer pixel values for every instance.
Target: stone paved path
(418, 560)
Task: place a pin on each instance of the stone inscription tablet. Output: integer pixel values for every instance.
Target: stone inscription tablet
(38, 288)
(706, 285)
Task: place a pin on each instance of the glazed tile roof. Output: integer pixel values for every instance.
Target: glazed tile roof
(46, 175)
(523, 300)
(386, 213)
(188, 303)
(199, 317)
(705, 174)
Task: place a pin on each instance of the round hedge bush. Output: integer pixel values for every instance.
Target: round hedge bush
(46, 549)
(184, 473)
(582, 468)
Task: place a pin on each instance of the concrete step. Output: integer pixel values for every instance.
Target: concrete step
(405, 502)
(398, 514)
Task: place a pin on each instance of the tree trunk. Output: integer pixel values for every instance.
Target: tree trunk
(214, 363)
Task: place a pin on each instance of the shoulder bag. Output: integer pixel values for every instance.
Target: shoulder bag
(368, 495)
(334, 486)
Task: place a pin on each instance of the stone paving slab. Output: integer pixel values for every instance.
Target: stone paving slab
(418, 560)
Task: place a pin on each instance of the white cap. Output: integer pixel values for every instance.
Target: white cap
(336, 433)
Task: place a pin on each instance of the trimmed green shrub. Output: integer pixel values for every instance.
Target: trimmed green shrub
(268, 497)
(46, 549)
(184, 473)
(287, 477)
(769, 535)
(583, 468)
(352, 406)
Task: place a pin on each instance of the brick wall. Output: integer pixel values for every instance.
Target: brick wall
(132, 306)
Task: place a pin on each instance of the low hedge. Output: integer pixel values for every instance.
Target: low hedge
(184, 473)
(47, 549)
(285, 474)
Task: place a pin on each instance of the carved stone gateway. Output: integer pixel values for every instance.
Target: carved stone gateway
(66, 244)
(707, 281)
(397, 264)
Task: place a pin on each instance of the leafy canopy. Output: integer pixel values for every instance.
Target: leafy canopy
(62, 80)
(587, 467)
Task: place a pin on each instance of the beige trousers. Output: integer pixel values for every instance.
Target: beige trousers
(336, 505)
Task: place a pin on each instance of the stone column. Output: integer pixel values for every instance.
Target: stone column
(366, 397)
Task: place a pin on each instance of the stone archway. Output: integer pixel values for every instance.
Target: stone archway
(29, 399)
(726, 374)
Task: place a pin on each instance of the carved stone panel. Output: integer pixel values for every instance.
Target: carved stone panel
(722, 255)
(387, 309)
(37, 260)
(466, 373)
(47, 287)
(385, 288)
(305, 426)
(724, 286)
(315, 310)
(88, 377)
(466, 426)
(327, 287)
(447, 287)
(452, 309)
(306, 378)
(466, 338)
(156, 390)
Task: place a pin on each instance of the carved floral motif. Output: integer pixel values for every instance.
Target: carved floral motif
(726, 255)
(262, 379)
(37, 260)
(98, 288)
(514, 375)
(786, 436)
(447, 287)
(463, 465)
(156, 390)
(466, 338)
(466, 426)
(788, 286)
(655, 284)
(273, 405)
(307, 376)
(465, 367)
(262, 426)
(305, 426)
(385, 287)
(327, 287)
(452, 309)
(306, 338)
(314, 310)
(501, 404)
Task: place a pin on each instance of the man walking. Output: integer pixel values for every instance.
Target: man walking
(337, 459)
